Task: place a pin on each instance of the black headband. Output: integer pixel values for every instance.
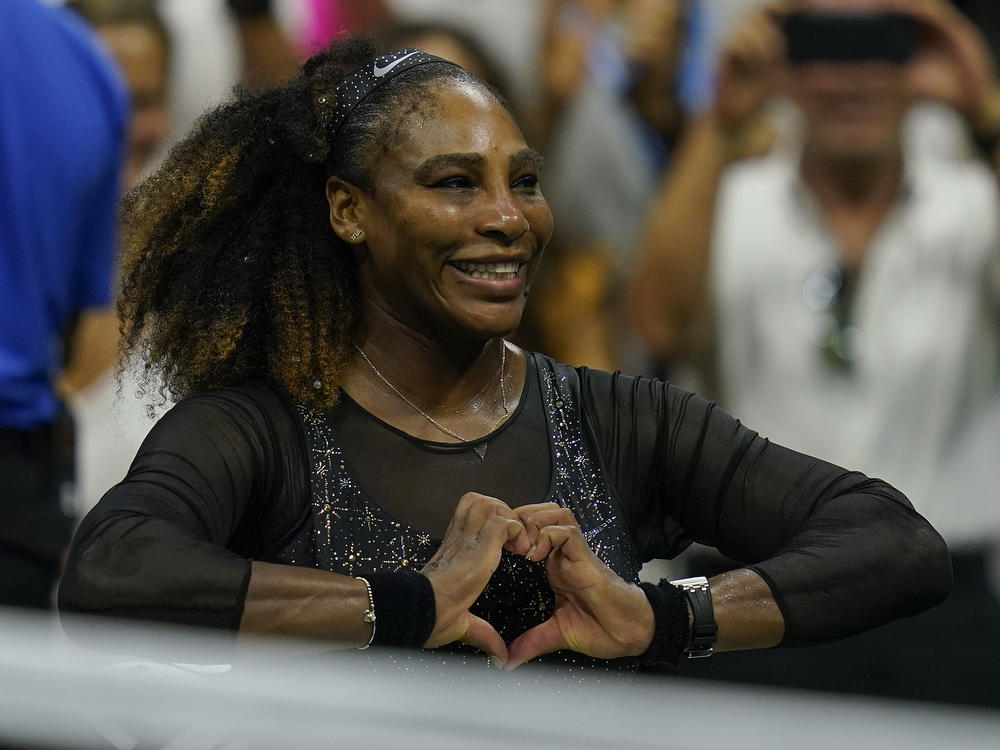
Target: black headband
(358, 85)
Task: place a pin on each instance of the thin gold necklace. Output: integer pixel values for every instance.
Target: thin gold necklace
(480, 448)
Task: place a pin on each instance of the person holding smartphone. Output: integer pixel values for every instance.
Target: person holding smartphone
(846, 285)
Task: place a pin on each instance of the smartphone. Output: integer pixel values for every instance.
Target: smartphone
(851, 37)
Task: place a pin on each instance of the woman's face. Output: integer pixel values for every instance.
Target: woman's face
(457, 222)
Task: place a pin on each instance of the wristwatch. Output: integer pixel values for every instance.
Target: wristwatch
(703, 627)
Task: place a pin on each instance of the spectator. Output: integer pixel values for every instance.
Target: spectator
(62, 137)
(110, 422)
(850, 280)
(619, 79)
(135, 34)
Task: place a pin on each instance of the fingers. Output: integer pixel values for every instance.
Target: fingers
(482, 635)
(474, 509)
(953, 64)
(758, 44)
(569, 540)
(749, 68)
(506, 533)
(470, 552)
(538, 516)
(541, 639)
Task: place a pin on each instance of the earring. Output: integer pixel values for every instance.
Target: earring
(356, 235)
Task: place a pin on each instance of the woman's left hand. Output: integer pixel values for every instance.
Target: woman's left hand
(596, 612)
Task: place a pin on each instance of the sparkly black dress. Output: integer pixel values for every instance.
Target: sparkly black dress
(244, 474)
(347, 532)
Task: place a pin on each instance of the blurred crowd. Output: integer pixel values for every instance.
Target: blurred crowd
(793, 213)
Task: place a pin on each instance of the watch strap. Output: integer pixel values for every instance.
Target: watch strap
(704, 630)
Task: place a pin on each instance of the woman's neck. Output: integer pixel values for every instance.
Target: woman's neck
(418, 385)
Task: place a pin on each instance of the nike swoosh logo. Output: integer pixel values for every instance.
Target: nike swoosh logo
(381, 71)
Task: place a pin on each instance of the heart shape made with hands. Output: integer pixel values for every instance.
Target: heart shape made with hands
(597, 613)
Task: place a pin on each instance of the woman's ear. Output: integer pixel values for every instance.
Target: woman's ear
(346, 210)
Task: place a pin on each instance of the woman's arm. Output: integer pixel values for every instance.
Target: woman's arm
(306, 603)
(220, 479)
(599, 614)
(745, 611)
(428, 609)
(827, 552)
(171, 541)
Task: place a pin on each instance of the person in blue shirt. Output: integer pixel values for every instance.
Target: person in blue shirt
(62, 135)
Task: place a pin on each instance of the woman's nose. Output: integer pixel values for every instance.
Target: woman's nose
(503, 219)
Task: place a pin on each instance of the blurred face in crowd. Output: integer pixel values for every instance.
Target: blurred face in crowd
(142, 56)
(852, 109)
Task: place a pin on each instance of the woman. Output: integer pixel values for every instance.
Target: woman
(326, 273)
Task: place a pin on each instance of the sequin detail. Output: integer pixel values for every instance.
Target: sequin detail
(348, 533)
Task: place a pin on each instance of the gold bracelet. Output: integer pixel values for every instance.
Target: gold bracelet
(369, 615)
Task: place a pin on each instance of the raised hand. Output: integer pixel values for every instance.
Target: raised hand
(751, 62)
(954, 64)
(596, 612)
(653, 40)
(480, 529)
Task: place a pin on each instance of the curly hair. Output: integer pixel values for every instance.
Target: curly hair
(230, 268)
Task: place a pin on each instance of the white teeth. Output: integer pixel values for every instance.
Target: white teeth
(493, 271)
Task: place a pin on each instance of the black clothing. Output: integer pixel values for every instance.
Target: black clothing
(349, 534)
(36, 469)
(950, 654)
(228, 476)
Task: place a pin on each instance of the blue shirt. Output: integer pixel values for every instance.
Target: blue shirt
(63, 117)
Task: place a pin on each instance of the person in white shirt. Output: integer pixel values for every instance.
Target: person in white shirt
(848, 281)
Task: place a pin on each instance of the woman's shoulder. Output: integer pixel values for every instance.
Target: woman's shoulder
(251, 408)
(597, 383)
(614, 400)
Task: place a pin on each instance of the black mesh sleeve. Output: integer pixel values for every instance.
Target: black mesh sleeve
(215, 480)
(840, 551)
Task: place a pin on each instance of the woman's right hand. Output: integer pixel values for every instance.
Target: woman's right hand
(481, 528)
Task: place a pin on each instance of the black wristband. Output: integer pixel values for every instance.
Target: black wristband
(673, 626)
(404, 606)
(249, 8)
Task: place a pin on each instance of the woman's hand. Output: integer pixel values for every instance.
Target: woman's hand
(596, 613)
(481, 528)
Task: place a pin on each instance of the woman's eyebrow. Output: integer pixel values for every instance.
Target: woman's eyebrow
(525, 157)
(467, 161)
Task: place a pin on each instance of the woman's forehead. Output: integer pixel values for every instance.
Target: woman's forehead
(461, 118)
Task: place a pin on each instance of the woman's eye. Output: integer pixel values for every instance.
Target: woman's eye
(454, 183)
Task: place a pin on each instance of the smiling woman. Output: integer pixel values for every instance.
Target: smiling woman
(325, 274)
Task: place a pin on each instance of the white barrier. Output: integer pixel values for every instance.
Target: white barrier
(54, 694)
